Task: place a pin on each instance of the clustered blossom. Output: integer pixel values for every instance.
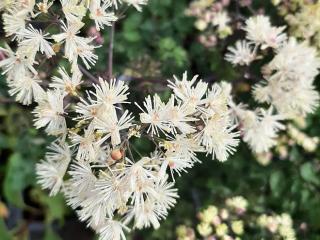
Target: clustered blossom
(232, 219)
(303, 18)
(212, 19)
(287, 86)
(91, 161)
(278, 225)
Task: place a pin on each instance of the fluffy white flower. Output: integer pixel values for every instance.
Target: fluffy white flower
(76, 46)
(218, 137)
(291, 73)
(261, 32)
(136, 3)
(180, 153)
(146, 215)
(217, 100)
(242, 54)
(165, 195)
(16, 65)
(26, 89)
(189, 92)
(73, 10)
(154, 115)
(259, 128)
(113, 230)
(111, 126)
(113, 190)
(92, 211)
(66, 83)
(111, 94)
(99, 15)
(87, 144)
(79, 187)
(138, 174)
(50, 173)
(50, 113)
(221, 20)
(14, 21)
(89, 109)
(177, 116)
(36, 40)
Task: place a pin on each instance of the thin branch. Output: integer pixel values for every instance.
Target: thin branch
(88, 74)
(6, 100)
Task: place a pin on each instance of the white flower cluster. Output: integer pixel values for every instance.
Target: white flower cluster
(287, 86)
(92, 161)
(278, 225)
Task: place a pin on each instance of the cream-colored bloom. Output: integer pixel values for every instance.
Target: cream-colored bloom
(180, 153)
(291, 73)
(14, 21)
(178, 117)
(204, 229)
(110, 125)
(113, 230)
(76, 46)
(136, 3)
(241, 54)
(35, 39)
(111, 94)
(218, 138)
(188, 91)
(99, 15)
(50, 113)
(79, 187)
(261, 32)
(154, 115)
(66, 83)
(260, 129)
(16, 64)
(50, 172)
(44, 6)
(27, 89)
(74, 10)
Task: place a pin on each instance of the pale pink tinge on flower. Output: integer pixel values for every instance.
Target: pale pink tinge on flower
(93, 32)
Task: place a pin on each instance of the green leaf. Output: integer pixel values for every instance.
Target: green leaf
(55, 207)
(50, 234)
(4, 233)
(277, 183)
(308, 173)
(19, 174)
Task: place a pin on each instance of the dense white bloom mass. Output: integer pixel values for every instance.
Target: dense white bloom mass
(289, 80)
(261, 32)
(259, 128)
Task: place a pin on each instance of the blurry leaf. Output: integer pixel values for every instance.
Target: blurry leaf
(277, 182)
(4, 234)
(3, 112)
(19, 174)
(54, 206)
(308, 173)
(170, 50)
(131, 27)
(50, 234)
(3, 141)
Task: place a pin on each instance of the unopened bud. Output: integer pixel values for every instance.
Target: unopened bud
(116, 154)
